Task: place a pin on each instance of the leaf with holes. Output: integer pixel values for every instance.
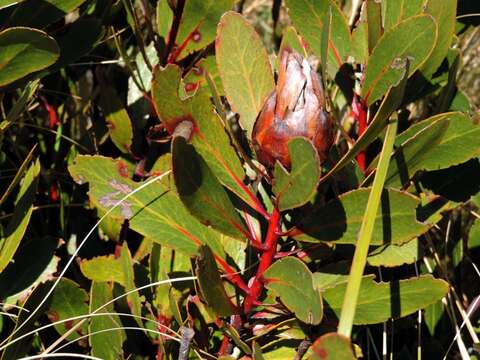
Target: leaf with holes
(209, 137)
(155, 211)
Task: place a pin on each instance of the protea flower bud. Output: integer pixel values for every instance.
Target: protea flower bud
(295, 108)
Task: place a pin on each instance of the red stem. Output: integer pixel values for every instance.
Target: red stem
(266, 259)
(360, 112)
(231, 275)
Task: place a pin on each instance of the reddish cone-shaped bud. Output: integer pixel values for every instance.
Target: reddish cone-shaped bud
(295, 108)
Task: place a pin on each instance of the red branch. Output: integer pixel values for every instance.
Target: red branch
(266, 259)
(359, 109)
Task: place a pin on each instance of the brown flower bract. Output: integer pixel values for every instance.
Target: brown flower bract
(295, 108)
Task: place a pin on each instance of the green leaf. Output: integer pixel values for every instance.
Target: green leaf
(331, 276)
(202, 193)
(360, 43)
(474, 235)
(14, 232)
(292, 281)
(432, 316)
(24, 51)
(339, 220)
(155, 211)
(18, 176)
(332, 346)
(195, 78)
(308, 17)
(7, 3)
(394, 11)
(164, 18)
(38, 14)
(412, 39)
(199, 23)
(396, 255)
(68, 300)
(211, 285)
(244, 68)
(119, 270)
(374, 23)
(297, 188)
(118, 120)
(444, 13)
(105, 345)
(435, 143)
(209, 138)
(392, 100)
(290, 39)
(378, 302)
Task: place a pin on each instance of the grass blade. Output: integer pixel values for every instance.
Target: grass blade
(365, 235)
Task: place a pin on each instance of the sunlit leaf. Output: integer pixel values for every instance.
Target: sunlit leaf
(298, 187)
(292, 281)
(17, 226)
(244, 68)
(340, 219)
(68, 300)
(332, 346)
(308, 17)
(411, 39)
(379, 302)
(155, 211)
(396, 255)
(105, 345)
(24, 51)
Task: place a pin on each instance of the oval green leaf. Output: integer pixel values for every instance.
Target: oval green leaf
(436, 143)
(297, 188)
(411, 39)
(378, 302)
(332, 346)
(340, 219)
(211, 285)
(24, 51)
(199, 23)
(244, 68)
(202, 193)
(308, 16)
(292, 281)
(155, 211)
